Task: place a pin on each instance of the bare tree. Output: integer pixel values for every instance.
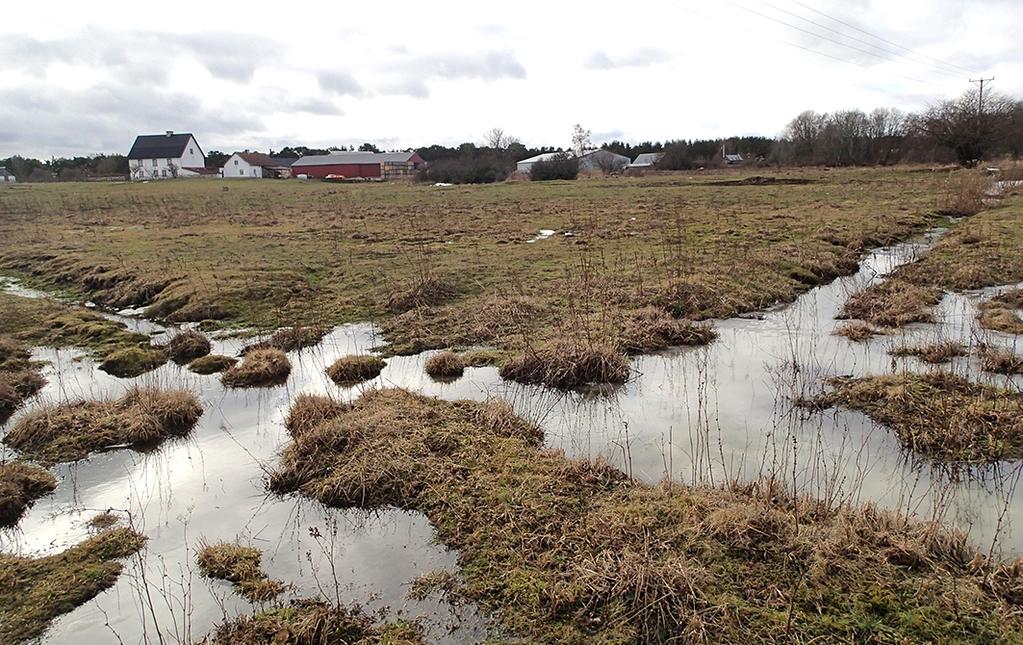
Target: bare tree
(173, 169)
(609, 163)
(496, 138)
(580, 140)
(886, 130)
(967, 126)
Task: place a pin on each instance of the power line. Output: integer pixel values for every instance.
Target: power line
(864, 42)
(884, 40)
(980, 97)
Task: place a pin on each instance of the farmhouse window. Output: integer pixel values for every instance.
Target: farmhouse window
(154, 163)
(241, 172)
(236, 162)
(163, 173)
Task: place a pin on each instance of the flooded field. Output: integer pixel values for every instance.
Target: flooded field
(697, 415)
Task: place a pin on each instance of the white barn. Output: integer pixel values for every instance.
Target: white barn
(256, 165)
(589, 161)
(166, 156)
(6, 176)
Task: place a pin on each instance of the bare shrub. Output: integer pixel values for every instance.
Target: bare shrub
(964, 194)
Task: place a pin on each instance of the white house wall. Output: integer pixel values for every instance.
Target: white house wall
(238, 168)
(192, 156)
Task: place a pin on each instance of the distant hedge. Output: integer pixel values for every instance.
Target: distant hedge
(560, 166)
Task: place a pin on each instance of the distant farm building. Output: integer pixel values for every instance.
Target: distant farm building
(589, 161)
(647, 160)
(166, 156)
(256, 165)
(6, 176)
(351, 165)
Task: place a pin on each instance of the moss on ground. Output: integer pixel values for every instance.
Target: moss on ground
(939, 415)
(34, 591)
(212, 364)
(143, 417)
(356, 368)
(19, 376)
(21, 484)
(239, 565)
(573, 552)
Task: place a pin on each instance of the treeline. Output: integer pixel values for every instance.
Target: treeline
(472, 164)
(66, 168)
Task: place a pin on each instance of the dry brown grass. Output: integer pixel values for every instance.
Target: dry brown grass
(999, 313)
(290, 339)
(857, 331)
(239, 565)
(939, 415)
(313, 622)
(34, 591)
(19, 377)
(310, 410)
(1001, 360)
(892, 303)
(422, 292)
(259, 368)
(941, 351)
(187, 346)
(964, 193)
(566, 363)
(650, 329)
(445, 365)
(20, 485)
(143, 417)
(212, 364)
(573, 552)
(355, 368)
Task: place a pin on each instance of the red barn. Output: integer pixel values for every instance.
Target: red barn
(382, 165)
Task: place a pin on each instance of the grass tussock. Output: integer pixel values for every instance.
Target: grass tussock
(143, 417)
(423, 292)
(566, 363)
(313, 622)
(239, 565)
(892, 303)
(130, 362)
(310, 410)
(355, 368)
(941, 351)
(939, 415)
(445, 365)
(258, 368)
(964, 193)
(34, 591)
(857, 331)
(999, 313)
(290, 339)
(21, 484)
(103, 521)
(212, 364)
(651, 329)
(482, 357)
(19, 377)
(1001, 360)
(581, 554)
(187, 346)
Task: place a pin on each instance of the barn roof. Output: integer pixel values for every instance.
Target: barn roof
(733, 158)
(647, 159)
(264, 160)
(160, 146)
(543, 157)
(4, 172)
(342, 158)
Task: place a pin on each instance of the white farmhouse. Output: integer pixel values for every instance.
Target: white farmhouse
(166, 156)
(256, 165)
(6, 176)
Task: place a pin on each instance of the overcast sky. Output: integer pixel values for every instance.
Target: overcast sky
(80, 78)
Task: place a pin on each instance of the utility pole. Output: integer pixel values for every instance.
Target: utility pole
(980, 96)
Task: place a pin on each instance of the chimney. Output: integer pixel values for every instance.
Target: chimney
(170, 133)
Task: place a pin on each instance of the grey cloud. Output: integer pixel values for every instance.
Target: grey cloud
(339, 82)
(639, 58)
(487, 65)
(413, 87)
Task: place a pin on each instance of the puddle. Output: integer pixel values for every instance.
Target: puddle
(543, 234)
(707, 414)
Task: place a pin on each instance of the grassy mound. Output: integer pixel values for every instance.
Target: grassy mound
(999, 313)
(309, 410)
(582, 555)
(187, 346)
(940, 415)
(651, 329)
(420, 293)
(312, 622)
(212, 364)
(355, 368)
(19, 377)
(290, 339)
(445, 365)
(259, 368)
(892, 303)
(569, 363)
(143, 417)
(130, 362)
(934, 353)
(239, 565)
(20, 485)
(857, 331)
(34, 591)
(1001, 361)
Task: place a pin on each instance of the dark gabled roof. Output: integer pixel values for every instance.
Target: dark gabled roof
(160, 146)
(265, 161)
(341, 158)
(4, 172)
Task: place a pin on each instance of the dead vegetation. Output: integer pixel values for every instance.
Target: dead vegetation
(19, 377)
(313, 622)
(651, 329)
(142, 418)
(999, 313)
(936, 352)
(355, 368)
(566, 363)
(290, 339)
(580, 554)
(939, 415)
(259, 368)
(34, 591)
(964, 193)
(308, 411)
(21, 484)
(187, 346)
(1000, 360)
(212, 364)
(130, 362)
(892, 303)
(422, 292)
(445, 365)
(239, 565)
(857, 331)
